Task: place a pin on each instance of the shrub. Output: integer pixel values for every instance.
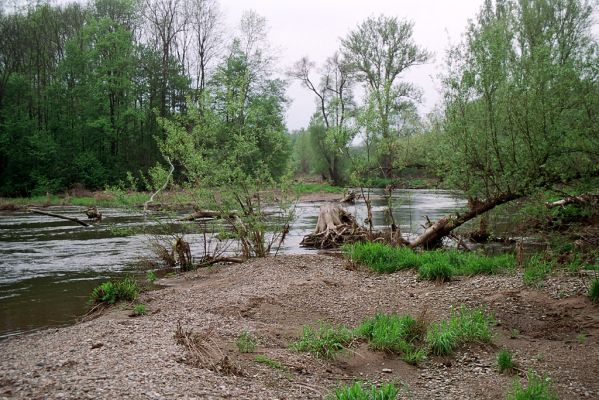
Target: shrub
(324, 341)
(359, 391)
(439, 272)
(594, 290)
(538, 388)
(112, 292)
(504, 361)
(463, 326)
(246, 343)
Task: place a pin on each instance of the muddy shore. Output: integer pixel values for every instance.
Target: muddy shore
(118, 356)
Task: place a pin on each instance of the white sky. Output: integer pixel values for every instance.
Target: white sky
(313, 28)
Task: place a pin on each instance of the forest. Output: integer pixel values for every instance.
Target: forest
(111, 92)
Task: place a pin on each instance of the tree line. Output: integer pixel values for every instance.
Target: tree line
(89, 93)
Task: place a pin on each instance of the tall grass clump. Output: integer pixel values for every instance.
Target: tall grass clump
(324, 341)
(395, 334)
(594, 291)
(382, 258)
(359, 391)
(536, 270)
(442, 263)
(112, 292)
(464, 325)
(246, 343)
(538, 388)
(505, 362)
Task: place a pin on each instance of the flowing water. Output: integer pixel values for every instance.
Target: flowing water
(49, 266)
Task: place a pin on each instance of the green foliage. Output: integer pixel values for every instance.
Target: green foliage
(536, 270)
(504, 361)
(308, 187)
(396, 334)
(324, 341)
(151, 276)
(246, 343)
(140, 309)
(111, 292)
(594, 290)
(439, 272)
(360, 391)
(387, 259)
(464, 325)
(514, 333)
(262, 359)
(538, 388)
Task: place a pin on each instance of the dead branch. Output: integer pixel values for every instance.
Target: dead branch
(209, 214)
(72, 219)
(168, 178)
(587, 198)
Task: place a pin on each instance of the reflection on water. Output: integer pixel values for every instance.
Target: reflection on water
(49, 266)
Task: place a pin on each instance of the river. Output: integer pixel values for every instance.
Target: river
(49, 266)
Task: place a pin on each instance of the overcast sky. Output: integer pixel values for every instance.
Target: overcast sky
(314, 27)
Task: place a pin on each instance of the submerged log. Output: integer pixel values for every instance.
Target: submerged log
(200, 214)
(72, 219)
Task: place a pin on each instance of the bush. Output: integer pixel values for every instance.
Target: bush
(439, 272)
(463, 326)
(504, 361)
(325, 341)
(246, 343)
(112, 292)
(539, 388)
(359, 391)
(594, 291)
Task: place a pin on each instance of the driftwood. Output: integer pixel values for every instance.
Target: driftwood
(204, 214)
(334, 227)
(72, 219)
(210, 260)
(587, 198)
(349, 198)
(93, 213)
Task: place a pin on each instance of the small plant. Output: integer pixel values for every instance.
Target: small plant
(594, 290)
(262, 359)
(324, 341)
(514, 333)
(139, 309)
(463, 326)
(151, 276)
(112, 292)
(504, 361)
(538, 388)
(438, 272)
(246, 343)
(536, 271)
(359, 391)
(581, 338)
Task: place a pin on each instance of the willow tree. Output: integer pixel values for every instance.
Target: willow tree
(521, 103)
(379, 51)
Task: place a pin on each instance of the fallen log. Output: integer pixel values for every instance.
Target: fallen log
(199, 214)
(209, 260)
(49, 214)
(586, 198)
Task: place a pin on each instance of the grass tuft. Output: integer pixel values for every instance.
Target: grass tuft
(246, 343)
(438, 272)
(140, 309)
(262, 359)
(360, 391)
(112, 292)
(505, 362)
(463, 326)
(325, 341)
(538, 388)
(594, 291)
(536, 271)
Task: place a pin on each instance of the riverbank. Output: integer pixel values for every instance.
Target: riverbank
(548, 330)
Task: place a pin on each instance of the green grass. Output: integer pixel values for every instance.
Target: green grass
(246, 343)
(393, 333)
(504, 361)
(536, 271)
(538, 388)
(112, 292)
(309, 187)
(140, 309)
(383, 258)
(324, 341)
(464, 325)
(151, 276)
(360, 391)
(438, 272)
(262, 359)
(594, 291)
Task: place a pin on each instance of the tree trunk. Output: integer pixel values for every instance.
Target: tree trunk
(334, 227)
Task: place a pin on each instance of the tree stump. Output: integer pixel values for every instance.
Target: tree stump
(334, 227)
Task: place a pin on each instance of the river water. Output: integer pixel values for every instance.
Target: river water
(49, 266)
